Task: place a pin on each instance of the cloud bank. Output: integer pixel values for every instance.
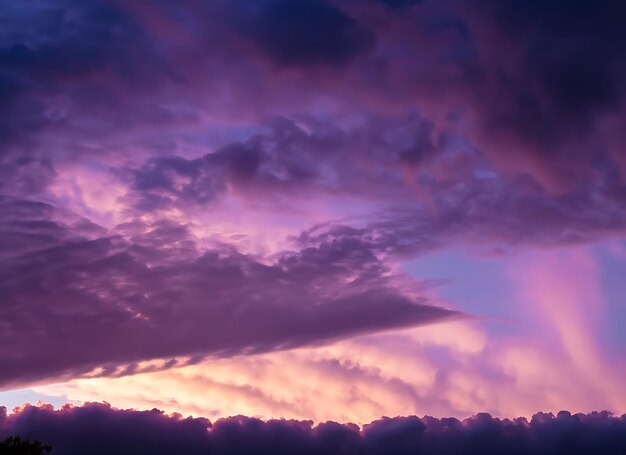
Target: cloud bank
(100, 429)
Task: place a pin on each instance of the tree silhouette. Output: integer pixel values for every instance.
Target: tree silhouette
(15, 445)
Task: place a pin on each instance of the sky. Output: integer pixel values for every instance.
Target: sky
(314, 210)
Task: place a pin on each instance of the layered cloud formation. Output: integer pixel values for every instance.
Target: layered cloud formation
(187, 184)
(145, 292)
(105, 430)
(437, 118)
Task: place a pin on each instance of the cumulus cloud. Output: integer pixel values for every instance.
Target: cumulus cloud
(104, 430)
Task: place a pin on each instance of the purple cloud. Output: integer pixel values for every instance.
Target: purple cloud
(99, 429)
(76, 297)
(304, 33)
(461, 196)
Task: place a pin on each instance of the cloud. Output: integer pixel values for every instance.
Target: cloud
(49, 54)
(77, 297)
(23, 175)
(397, 4)
(427, 188)
(283, 160)
(545, 94)
(308, 32)
(104, 430)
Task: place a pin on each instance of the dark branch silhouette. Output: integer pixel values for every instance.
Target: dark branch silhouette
(15, 445)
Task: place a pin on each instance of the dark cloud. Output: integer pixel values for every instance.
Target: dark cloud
(552, 73)
(537, 79)
(61, 63)
(99, 429)
(75, 297)
(395, 4)
(308, 32)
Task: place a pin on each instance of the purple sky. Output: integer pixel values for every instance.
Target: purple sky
(314, 209)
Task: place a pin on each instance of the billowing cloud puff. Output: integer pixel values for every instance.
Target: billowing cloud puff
(100, 429)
